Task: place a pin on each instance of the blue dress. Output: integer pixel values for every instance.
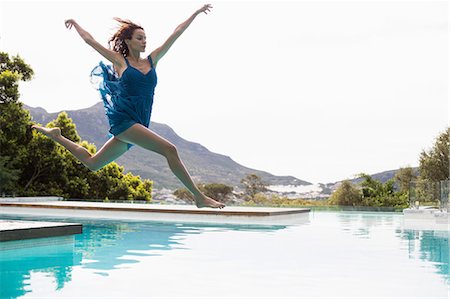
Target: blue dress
(127, 100)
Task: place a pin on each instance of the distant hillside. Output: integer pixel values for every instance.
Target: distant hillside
(204, 166)
(383, 176)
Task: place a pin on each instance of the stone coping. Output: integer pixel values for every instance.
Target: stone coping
(152, 208)
(11, 230)
(30, 199)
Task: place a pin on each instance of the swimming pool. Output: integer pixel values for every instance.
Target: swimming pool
(331, 255)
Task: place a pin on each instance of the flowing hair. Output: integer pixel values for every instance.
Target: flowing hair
(117, 41)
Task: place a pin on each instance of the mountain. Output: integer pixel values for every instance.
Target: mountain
(203, 165)
(382, 176)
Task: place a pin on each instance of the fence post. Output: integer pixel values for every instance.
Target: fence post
(444, 195)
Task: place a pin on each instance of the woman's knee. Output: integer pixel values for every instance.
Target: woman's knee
(92, 164)
(170, 150)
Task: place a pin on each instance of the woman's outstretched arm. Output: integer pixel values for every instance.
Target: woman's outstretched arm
(112, 56)
(158, 53)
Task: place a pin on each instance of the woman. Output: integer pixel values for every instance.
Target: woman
(127, 92)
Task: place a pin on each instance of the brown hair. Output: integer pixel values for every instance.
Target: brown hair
(117, 41)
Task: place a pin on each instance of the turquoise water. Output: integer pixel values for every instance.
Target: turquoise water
(333, 254)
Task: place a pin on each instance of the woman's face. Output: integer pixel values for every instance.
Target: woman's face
(138, 41)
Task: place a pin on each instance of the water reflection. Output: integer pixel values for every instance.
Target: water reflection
(429, 246)
(426, 245)
(103, 246)
(106, 243)
(17, 265)
(361, 224)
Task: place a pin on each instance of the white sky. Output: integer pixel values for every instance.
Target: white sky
(318, 90)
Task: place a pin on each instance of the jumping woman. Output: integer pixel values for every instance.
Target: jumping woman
(127, 89)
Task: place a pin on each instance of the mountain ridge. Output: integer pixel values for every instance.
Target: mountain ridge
(382, 176)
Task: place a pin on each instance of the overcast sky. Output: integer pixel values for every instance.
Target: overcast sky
(318, 90)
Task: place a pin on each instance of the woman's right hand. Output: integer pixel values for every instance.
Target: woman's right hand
(69, 23)
(205, 8)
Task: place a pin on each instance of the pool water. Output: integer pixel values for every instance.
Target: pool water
(331, 255)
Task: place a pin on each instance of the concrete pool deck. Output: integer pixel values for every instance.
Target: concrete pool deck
(12, 230)
(241, 215)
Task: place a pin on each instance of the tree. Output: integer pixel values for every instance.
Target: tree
(42, 166)
(426, 190)
(8, 175)
(184, 194)
(217, 191)
(373, 193)
(253, 185)
(75, 172)
(15, 131)
(15, 134)
(12, 70)
(346, 195)
(101, 181)
(404, 177)
(374, 188)
(139, 190)
(68, 128)
(144, 191)
(377, 194)
(434, 164)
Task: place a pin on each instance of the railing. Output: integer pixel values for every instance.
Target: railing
(424, 191)
(444, 186)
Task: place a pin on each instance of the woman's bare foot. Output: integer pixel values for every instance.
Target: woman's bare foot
(208, 202)
(52, 133)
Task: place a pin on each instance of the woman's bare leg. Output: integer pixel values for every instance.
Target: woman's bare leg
(142, 136)
(110, 151)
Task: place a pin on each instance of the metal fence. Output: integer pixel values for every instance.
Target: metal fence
(423, 191)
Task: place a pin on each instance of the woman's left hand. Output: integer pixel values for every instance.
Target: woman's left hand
(205, 8)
